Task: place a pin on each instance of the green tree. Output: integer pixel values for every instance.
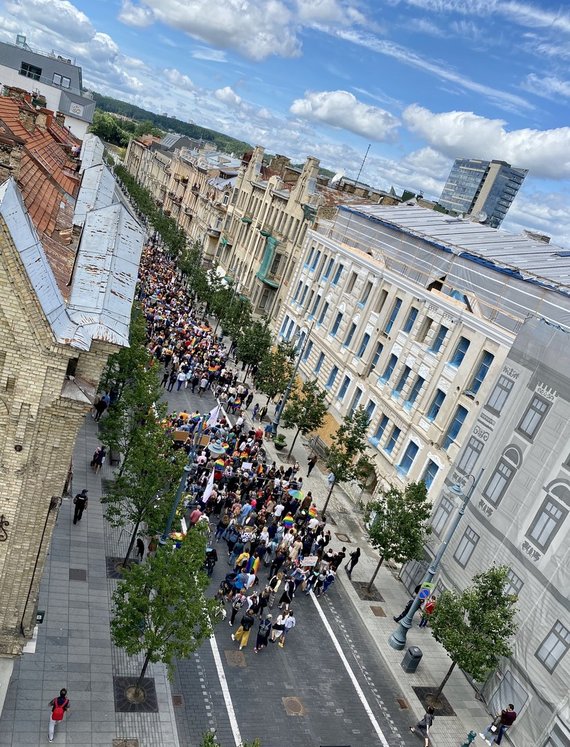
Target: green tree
(254, 343)
(476, 625)
(160, 609)
(236, 319)
(107, 127)
(305, 409)
(275, 369)
(398, 524)
(347, 459)
(147, 482)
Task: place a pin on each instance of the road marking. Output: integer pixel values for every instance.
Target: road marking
(351, 674)
(226, 692)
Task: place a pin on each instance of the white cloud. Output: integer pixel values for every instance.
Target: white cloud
(57, 16)
(178, 79)
(548, 86)
(424, 26)
(135, 15)
(329, 11)
(254, 28)
(228, 96)
(546, 212)
(207, 53)
(407, 56)
(545, 152)
(343, 110)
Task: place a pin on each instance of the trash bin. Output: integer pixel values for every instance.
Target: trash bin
(411, 659)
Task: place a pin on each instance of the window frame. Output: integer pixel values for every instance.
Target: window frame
(425, 472)
(561, 637)
(349, 335)
(336, 324)
(514, 583)
(323, 314)
(485, 363)
(464, 464)
(391, 365)
(406, 456)
(459, 353)
(397, 305)
(392, 439)
(434, 404)
(441, 515)
(378, 354)
(439, 339)
(415, 390)
(448, 439)
(549, 499)
(497, 393)
(529, 408)
(380, 429)
(468, 542)
(319, 363)
(338, 274)
(401, 383)
(410, 319)
(363, 344)
(332, 377)
(343, 388)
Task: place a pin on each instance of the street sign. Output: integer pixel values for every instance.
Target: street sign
(426, 590)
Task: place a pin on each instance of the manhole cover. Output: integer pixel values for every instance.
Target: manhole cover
(343, 537)
(77, 574)
(235, 658)
(177, 700)
(129, 700)
(378, 611)
(293, 707)
(403, 703)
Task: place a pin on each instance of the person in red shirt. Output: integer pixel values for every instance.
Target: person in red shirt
(427, 611)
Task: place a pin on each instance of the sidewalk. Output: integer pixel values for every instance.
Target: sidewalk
(73, 647)
(470, 714)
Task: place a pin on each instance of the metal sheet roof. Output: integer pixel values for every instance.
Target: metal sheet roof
(97, 190)
(170, 139)
(91, 152)
(517, 252)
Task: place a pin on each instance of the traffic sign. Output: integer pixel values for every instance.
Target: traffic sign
(426, 590)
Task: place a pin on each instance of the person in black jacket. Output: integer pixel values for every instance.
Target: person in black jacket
(242, 633)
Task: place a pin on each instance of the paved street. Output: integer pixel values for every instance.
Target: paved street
(303, 691)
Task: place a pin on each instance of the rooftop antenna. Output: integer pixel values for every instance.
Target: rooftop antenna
(356, 182)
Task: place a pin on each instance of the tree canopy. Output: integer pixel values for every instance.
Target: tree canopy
(305, 409)
(275, 369)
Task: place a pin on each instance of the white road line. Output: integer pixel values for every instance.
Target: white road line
(226, 692)
(351, 674)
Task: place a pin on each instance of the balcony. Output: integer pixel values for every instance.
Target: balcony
(264, 273)
(214, 232)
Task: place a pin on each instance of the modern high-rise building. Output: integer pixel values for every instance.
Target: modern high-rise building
(484, 189)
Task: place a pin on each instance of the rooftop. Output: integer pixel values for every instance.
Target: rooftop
(518, 254)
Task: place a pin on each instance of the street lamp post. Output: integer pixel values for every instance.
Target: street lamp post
(287, 392)
(398, 638)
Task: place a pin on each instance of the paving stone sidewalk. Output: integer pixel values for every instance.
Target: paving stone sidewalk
(73, 647)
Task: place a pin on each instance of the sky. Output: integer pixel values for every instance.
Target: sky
(420, 81)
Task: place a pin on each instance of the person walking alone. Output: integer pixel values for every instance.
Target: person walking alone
(58, 707)
(80, 502)
(354, 558)
(311, 463)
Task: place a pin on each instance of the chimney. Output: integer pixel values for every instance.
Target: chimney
(13, 92)
(60, 119)
(10, 157)
(28, 118)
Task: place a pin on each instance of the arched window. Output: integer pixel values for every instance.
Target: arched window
(503, 473)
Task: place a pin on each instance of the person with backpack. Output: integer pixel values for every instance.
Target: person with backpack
(58, 707)
(263, 633)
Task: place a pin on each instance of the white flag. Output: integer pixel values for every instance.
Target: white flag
(209, 487)
(213, 417)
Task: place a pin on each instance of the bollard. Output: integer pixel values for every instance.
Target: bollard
(470, 738)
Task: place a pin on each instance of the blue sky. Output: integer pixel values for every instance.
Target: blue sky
(422, 81)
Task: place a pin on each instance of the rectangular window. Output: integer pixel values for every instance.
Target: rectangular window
(441, 514)
(315, 306)
(308, 349)
(65, 82)
(377, 354)
(415, 390)
(546, 524)
(393, 315)
(56, 79)
(430, 473)
(343, 387)
(389, 370)
(284, 325)
(290, 329)
(320, 361)
(355, 400)
(310, 257)
(381, 301)
(455, 426)
(311, 294)
(315, 261)
(470, 456)
(424, 329)
(402, 380)
(481, 372)
(466, 546)
(392, 440)
(499, 394)
(436, 404)
(323, 312)
(459, 353)
(327, 272)
(408, 457)
(332, 376)
(384, 420)
(336, 325)
(30, 71)
(370, 407)
(554, 647)
(410, 319)
(366, 293)
(514, 583)
(351, 282)
(533, 417)
(363, 345)
(303, 295)
(499, 482)
(349, 335)
(439, 339)
(337, 274)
